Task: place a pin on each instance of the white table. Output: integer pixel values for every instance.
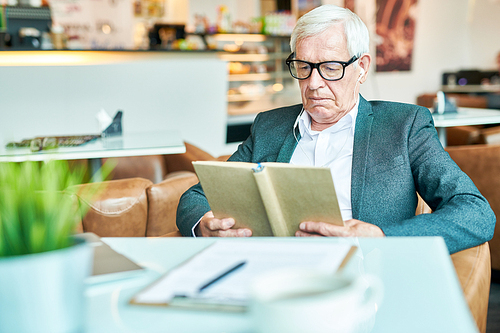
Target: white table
(128, 144)
(422, 292)
(464, 117)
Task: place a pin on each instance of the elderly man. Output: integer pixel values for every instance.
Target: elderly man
(380, 153)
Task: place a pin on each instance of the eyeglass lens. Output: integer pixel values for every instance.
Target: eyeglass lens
(328, 70)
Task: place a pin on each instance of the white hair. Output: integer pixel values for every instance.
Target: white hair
(323, 17)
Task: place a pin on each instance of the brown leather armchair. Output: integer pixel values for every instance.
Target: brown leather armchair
(133, 207)
(473, 268)
(142, 197)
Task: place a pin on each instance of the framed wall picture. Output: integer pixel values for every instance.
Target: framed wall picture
(395, 29)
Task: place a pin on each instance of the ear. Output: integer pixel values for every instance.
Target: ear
(364, 63)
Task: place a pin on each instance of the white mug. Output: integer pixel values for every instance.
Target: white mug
(306, 301)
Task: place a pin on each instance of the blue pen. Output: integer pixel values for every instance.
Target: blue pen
(217, 278)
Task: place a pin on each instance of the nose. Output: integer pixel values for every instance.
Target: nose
(315, 80)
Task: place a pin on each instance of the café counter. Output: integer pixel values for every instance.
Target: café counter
(49, 93)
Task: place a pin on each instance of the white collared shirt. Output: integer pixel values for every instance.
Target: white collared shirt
(330, 148)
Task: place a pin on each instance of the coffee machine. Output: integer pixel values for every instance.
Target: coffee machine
(25, 26)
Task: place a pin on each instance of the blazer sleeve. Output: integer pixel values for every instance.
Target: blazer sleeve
(461, 215)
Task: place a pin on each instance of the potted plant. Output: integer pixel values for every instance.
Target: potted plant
(43, 265)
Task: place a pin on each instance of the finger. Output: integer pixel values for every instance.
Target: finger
(235, 233)
(325, 229)
(363, 229)
(216, 224)
(207, 232)
(299, 233)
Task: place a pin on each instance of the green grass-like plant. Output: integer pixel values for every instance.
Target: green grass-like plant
(37, 213)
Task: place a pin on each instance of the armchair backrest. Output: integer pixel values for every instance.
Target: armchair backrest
(422, 206)
(148, 167)
(163, 199)
(182, 162)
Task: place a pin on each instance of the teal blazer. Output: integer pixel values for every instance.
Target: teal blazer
(396, 154)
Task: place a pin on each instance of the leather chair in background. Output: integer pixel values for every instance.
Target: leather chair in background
(473, 268)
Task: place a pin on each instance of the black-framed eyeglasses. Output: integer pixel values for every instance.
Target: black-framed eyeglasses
(329, 70)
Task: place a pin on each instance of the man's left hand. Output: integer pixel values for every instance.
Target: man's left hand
(352, 228)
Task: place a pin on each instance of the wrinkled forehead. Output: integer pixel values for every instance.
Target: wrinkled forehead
(332, 40)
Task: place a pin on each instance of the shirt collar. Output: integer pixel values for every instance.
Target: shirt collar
(348, 120)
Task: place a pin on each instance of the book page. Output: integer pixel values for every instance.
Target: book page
(259, 257)
(231, 191)
(304, 194)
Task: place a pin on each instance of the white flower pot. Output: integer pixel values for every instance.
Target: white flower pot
(44, 292)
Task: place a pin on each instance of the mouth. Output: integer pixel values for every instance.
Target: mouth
(318, 99)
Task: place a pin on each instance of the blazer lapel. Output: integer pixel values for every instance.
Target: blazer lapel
(362, 134)
(286, 151)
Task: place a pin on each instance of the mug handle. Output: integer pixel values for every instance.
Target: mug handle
(374, 286)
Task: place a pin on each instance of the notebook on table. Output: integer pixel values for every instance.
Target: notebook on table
(108, 264)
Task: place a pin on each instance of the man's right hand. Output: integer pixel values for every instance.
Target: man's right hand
(209, 226)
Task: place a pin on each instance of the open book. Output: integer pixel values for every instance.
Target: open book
(269, 198)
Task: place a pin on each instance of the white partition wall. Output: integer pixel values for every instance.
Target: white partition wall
(155, 91)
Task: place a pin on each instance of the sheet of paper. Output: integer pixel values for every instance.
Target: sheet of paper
(259, 256)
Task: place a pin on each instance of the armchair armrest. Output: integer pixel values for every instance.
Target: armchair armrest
(473, 269)
(119, 210)
(173, 234)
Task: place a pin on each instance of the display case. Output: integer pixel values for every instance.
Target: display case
(258, 78)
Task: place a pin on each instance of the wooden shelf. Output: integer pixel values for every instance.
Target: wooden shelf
(249, 57)
(247, 97)
(250, 77)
